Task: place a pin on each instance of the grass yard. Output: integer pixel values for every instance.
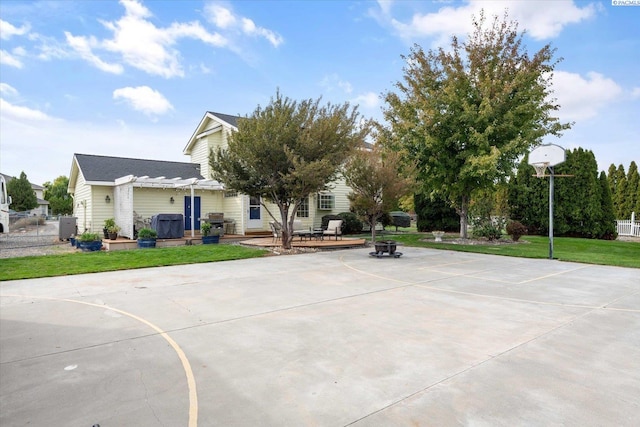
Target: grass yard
(590, 251)
(605, 252)
(99, 261)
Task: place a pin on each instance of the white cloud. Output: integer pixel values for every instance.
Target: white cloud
(635, 93)
(582, 98)
(22, 113)
(8, 90)
(220, 16)
(51, 146)
(144, 99)
(224, 18)
(140, 44)
(7, 30)
(367, 100)
(541, 20)
(332, 82)
(8, 59)
(83, 46)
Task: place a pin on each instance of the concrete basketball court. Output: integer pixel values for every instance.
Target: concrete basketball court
(435, 338)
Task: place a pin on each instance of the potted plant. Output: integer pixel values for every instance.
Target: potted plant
(147, 238)
(89, 242)
(210, 235)
(438, 235)
(109, 222)
(113, 231)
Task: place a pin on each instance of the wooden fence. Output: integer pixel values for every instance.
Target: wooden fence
(628, 227)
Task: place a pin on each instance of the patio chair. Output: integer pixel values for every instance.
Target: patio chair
(334, 228)
(276, 230)
(298, 229)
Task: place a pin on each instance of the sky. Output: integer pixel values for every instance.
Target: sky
(135, 78)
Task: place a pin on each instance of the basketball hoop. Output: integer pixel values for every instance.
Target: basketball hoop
(540, 168)
(543, 157)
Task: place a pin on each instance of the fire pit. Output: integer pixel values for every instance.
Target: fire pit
(386, 247)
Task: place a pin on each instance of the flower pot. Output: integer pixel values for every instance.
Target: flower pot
(146, 243)
(208, 240)
(72, 240)
(91, 246)
(113, 236)
(105, 232)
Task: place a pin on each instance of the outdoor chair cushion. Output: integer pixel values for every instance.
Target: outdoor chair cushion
(334, 228)
(298, 227)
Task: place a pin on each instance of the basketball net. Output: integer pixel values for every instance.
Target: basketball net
(540, 168)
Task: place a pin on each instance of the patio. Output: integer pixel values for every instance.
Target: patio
(123, 243)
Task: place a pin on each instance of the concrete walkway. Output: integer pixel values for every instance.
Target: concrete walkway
(435, 338)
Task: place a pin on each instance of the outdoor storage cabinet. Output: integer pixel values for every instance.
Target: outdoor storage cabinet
(67, 227)
(168, 226)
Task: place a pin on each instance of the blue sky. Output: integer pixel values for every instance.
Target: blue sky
(134, 78)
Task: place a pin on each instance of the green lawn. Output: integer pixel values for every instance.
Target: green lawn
(606, 252)
(94, 262)
(591, 251)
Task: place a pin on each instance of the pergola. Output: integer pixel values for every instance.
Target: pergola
(123, 195)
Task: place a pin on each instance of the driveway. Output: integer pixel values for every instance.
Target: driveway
(326, 339)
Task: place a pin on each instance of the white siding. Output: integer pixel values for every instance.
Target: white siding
(81, 202)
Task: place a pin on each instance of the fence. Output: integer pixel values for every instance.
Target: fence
(628, 227)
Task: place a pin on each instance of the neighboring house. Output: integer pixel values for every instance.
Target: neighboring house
(136, 189)
(43, 206)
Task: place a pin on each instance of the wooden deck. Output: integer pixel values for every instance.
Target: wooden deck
(345, 242)
(122, 243)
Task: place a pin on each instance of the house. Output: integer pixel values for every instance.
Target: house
(43, 205)
(134, 190)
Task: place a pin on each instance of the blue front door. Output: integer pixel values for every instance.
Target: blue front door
(188, 211)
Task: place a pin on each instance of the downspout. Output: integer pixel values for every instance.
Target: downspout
(193, 211)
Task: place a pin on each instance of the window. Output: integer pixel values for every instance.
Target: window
(303, 209)
(326, 201)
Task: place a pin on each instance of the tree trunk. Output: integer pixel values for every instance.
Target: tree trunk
(287, 226)
(464, 213)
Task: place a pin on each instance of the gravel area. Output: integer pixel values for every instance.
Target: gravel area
(32, 240)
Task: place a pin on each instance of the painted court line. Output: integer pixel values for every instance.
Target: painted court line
(191, 382)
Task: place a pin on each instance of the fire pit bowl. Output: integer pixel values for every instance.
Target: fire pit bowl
(386, 247)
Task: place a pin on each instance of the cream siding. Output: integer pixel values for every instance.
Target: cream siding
(81, 203)
(99, 208)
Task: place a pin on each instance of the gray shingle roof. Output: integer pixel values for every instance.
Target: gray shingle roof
(108, 169)
(232, 120)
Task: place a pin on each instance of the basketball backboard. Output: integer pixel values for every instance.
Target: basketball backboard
(546, 154)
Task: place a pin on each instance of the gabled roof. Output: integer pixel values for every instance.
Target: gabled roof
(108, 169)
(222, 120)
(232, 120)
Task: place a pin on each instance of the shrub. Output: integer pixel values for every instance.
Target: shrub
(147, 233)
(351, 223)
(515, 229)
(89, 237)
(488, 231)
(109, 222)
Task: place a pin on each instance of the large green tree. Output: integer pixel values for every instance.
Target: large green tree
(620, 196)
(607, 216)
(23, 198)
(465, 114)
(633, 190)
(582, 201)
(56, 194)
(288, 150)
(376, 182)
